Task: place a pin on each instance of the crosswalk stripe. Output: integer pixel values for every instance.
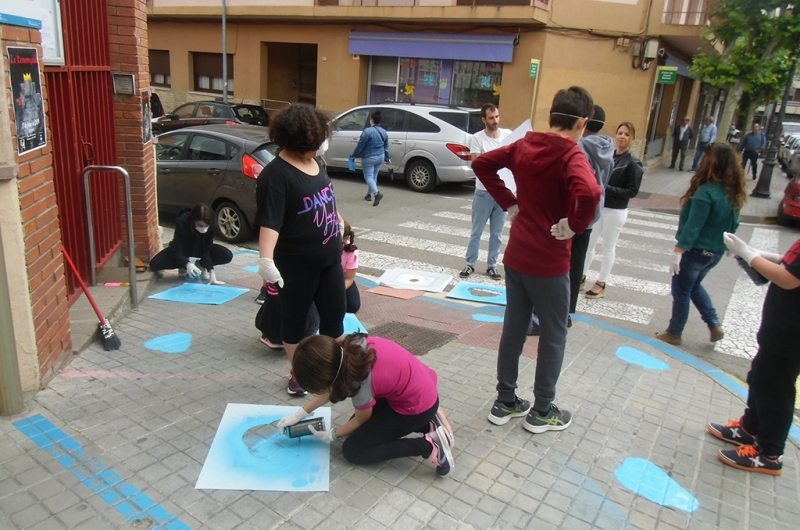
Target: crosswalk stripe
(630, 283)
(636, 263)
(424, 244)
(618, 310)
(627, 243)
(653, 215)
(383, 262)
(743, 312)
(648, 234)
(460, 217)
(447, 230)
(653, 224)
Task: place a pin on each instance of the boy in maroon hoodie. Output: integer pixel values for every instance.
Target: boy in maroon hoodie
(557, 195)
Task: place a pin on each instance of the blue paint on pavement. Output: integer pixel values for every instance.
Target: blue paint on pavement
(109, 485)
(651, 482)
(352, 324)
(192, 293)
(251, 268)
(634, 356)
(478, 292)
(590, 498)
(487, 318)
(245, 252)
(172, 343)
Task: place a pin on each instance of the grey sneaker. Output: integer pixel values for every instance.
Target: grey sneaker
(732, 432)
(555, 420)
(501, 413)
(466, 271)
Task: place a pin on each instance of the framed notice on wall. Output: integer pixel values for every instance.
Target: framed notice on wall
(26, 88)
(44, 15)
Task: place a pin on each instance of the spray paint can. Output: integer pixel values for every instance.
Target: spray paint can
(301, 428)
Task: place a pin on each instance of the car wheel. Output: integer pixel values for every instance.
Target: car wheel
(782, 219)
(421, 176)
(232, 224)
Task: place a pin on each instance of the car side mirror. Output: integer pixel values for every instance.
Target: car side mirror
(171, 116)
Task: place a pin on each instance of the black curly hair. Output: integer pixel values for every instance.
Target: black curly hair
(300, 128)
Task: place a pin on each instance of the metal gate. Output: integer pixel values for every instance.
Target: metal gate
(81, 113)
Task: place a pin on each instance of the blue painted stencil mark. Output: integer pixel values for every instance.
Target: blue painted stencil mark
(251, 268)
(651, 482)
(190, 293)
(352, 324)
(245, 252)
(172, 343)
(487, 318)
(591, 498)
(634, 356)
(123, 496)
(477, 292)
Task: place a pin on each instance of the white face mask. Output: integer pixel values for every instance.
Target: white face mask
(201, 229)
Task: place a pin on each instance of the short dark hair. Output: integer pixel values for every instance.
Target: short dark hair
(376, 117)
(572, 101)
(202, 212)
(486, 107)
(598, 120)
(300, 128)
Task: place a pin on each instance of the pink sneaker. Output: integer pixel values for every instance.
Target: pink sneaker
(294, 389)
(441, 454)
(440, 420)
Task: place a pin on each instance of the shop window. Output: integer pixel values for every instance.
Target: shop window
(383, 79)
(419, 80)
(159, 68)
(208, 72)
(476, 83)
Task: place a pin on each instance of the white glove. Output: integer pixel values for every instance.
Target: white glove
(513, 212)
(192, 271)
(739, 247)
(323, 436)
(771, 256)
(675, 264)
(212, 279)
(561, 230)
(292, 419)
(268, 271)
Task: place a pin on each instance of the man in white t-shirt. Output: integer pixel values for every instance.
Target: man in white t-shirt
(484, 207)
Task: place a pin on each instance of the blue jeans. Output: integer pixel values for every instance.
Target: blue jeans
(371, 166)
(485, 209)
(698, 154)
(686, 287)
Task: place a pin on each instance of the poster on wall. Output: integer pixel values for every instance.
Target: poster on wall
(146, 117)
(26, 88)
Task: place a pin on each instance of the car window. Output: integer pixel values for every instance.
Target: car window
(169, 146)
(207, 148)
(204, 110)
(185, 111)
(456, 119)
(392, 119)
(419, 124)
(250, 111)
(475, 122)
(265, 153)
(353, 121)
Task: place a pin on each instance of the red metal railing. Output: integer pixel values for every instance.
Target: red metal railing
(685, 12)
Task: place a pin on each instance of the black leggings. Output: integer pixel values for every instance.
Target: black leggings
(353, 299)
(166, 259)
(381, 437)
(580, 244)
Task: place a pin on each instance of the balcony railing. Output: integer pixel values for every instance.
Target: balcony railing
(685, 12)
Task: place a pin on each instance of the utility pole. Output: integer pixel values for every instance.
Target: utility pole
(761, 190)
(224, 53)
(10, 385)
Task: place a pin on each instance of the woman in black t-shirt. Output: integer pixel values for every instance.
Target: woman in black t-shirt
(300, 241)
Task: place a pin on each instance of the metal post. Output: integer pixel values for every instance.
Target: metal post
(10, 384)
(131, 254)
(761, 190)
(224, 54)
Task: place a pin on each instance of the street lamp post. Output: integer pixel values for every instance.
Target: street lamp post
(224, 54)
(761, 190)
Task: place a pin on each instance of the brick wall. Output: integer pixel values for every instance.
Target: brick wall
(127, 20)
(42, 233)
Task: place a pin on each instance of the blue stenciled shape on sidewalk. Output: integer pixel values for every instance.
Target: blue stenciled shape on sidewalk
(251, 268)
(590, 502)
(247, 251)
(120, 494)
(172, 343)
(200, 293)
(480, 317)
(651, 482)
(478, 292)
(352, 324)
(634, 356)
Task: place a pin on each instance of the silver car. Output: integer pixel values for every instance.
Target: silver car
(428, 143)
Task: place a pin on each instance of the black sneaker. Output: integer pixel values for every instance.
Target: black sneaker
(733, 432)
(368, 197)
(501, 413)
(378, 197)
(493, 274)
(752, 458)
(261, 298)
(555, 420)
(569, 321)
(466, 271)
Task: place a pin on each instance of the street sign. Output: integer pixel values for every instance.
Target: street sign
(534, 72)
(667, 75)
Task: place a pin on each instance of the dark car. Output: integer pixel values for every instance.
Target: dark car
(216, 165)
(210, 113)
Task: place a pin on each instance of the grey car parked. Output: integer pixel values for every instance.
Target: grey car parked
(428, 143)
(216, 165)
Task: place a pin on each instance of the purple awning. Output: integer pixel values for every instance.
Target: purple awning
(490, 48)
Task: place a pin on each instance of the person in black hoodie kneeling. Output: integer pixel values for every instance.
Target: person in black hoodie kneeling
(194, 237)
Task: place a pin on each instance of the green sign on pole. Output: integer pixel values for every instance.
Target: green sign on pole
(534, 72)
(667, 75)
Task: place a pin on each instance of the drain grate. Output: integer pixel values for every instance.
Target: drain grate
(416, 339)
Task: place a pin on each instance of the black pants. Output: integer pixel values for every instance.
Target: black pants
(771, 397)
(166, 259)
(381, 437)
(678, 148)
(752, 156)
(580, 244)
(353, 299)
(270, 316)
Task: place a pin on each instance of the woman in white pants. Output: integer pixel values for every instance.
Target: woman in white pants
(623, 185)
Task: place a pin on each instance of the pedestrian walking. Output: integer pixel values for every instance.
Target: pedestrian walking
(709, 208)
(762, 430)
(681, 135)
(708, 134)
(751, 147)
(484, 207)
(554, 181)
(373, 150)
(731, 132)
(623, 185)
(393, 393)
(300, 241)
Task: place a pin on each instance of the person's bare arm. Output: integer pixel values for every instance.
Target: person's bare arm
(777, 274)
